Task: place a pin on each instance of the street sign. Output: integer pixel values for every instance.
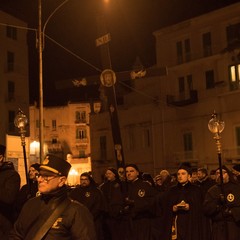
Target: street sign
(103, 39)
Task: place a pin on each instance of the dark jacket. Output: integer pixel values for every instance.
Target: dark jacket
(26, 192)
(9, 187)
(91, 197)
(74, 223)
(225, 215)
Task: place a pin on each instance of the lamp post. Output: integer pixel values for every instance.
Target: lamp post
(41, 32)
(216, 127)
(20, 122)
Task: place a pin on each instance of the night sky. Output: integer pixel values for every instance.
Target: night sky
(130, 23)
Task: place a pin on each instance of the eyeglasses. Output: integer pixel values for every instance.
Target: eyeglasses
(46, 178)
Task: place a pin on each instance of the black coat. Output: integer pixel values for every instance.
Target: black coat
(142, 199)
(75, 222)
(189, 223)
(225, 215)
(9, 187)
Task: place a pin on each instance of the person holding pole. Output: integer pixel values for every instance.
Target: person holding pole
(222, 206)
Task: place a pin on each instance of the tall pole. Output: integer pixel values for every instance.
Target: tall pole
(40, 50)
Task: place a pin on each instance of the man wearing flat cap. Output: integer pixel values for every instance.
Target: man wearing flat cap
(41, 217)
(9, 187)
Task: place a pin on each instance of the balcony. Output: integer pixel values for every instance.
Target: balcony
(183, 99)
(54, 147)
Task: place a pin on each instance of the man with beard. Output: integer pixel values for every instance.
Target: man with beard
(182, 208)
(9, 187)
(89, 195)
(222, 206)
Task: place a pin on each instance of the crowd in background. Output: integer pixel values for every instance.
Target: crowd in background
(192, 204)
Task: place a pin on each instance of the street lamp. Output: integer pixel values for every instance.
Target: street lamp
(41, 32)
(216, 127)
(21, 122)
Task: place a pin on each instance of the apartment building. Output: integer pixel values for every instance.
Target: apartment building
(14, 91)
(14, 87)
(66, 134)
(164, 121)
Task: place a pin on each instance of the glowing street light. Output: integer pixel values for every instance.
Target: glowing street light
(216, 127)
(21, 122)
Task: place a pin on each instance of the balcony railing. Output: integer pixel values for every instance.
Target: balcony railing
(183, 99)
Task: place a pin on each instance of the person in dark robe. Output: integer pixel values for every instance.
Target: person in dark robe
(205, 183)
(92, 197)
(182, 209)
(30, 190)
(222, 206)
(140, 205)
(113, 191)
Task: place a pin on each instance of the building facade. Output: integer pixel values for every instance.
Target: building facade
(164, 121)
(66, 134)
(14, 90)
(14, 87)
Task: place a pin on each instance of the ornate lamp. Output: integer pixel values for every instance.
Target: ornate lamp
(216, 127)
(21, 122)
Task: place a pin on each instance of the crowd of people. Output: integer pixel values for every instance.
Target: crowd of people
(192, 204)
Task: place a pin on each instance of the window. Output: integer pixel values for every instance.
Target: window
(234, 76)
(54, 140)
(179, 52)
(103, 147)
(189, 82)
(187, 50)
(233, 33)
(210, 83)
(80, 116)
(181, 84)
(10, 61)
(207, 44)
(11, 90)
(11, 116)
(54, 125)
(81, 133)
(11, 32)
(188, 145)
(180, 46)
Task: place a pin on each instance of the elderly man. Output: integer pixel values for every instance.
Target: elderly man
(52, 215)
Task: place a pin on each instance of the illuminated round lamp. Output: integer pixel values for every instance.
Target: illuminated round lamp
(215, 125)
(20, 120)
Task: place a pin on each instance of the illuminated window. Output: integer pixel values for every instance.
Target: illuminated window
(234, 76)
